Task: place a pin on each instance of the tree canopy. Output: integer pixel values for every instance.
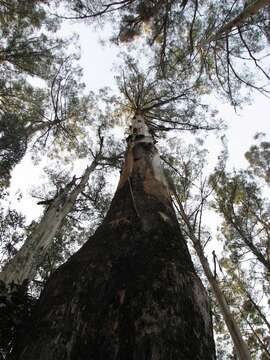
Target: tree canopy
(178, 61)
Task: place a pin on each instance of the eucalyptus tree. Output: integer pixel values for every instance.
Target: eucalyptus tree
(251, 8)
(24, 265)
(166, 104)
(249, 306)
(11, 232)
(238, 284)
(258, 157)
(132, 287)
(191, 195)
(80, 223)
(226, 40)
(246, 219)
(240, 198)
(30, 54)
(41, 114)
(100, 258)
(87, 212)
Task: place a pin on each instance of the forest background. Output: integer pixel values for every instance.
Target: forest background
(67, 100)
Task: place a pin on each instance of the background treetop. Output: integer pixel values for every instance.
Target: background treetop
(223, 40)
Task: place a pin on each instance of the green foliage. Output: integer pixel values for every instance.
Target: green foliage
(12, 233)
(187, 37)
(258, 157)
(239, 198)
(28, 50)
(165, 104)
(13, 143)
(190, 59)
(26, 46)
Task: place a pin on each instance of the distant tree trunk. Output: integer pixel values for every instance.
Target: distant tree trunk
(248, 11)
(131, 292)
(25, 263)
(248, 241)
(238, 341)
(252, 302)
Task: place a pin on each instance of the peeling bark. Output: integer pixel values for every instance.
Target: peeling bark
(23, 266)
(131, 292)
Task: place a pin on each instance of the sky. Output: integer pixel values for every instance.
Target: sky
(97, 61)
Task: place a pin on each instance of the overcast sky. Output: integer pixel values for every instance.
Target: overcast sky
(97, 62)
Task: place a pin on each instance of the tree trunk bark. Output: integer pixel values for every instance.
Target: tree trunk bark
(131, 292)
(25, 263)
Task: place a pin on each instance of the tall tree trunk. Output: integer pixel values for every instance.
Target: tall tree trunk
(131, 292)
(238, 341)
(248, 11)
(25, 263)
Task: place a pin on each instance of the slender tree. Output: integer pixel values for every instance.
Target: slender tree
(235, 333)
(42, 114)
(24, 265)
(246, 222)
(239, 199)
(190, 199)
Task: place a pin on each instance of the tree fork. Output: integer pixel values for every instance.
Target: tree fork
(131, 292)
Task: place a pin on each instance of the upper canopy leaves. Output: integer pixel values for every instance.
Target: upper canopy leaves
(225, 40)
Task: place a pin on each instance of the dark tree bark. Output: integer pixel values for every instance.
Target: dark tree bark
(131, 292)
